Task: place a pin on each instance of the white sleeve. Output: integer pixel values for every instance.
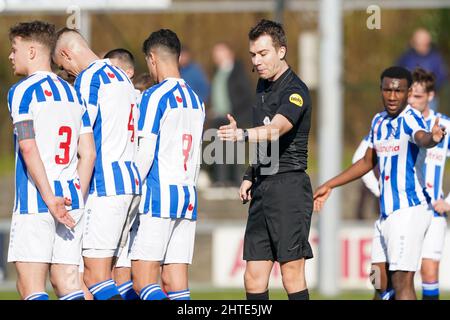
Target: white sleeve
(145, 154)
(371, 182)
(414, 122)
(20, 104)
(369, 179)
(360, 151)
(85, 122)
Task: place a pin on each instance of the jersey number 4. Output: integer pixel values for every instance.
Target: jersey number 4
(187, 145)
(64, 145)
(131, 123)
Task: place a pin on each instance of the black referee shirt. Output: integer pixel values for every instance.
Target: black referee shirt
(288, 96)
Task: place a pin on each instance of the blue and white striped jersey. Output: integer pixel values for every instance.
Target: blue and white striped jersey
(59, 117)
(174, 113)
(435, 160)
(111, 102)
(400, 160)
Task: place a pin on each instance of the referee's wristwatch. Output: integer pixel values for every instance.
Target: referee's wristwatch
(245, 135)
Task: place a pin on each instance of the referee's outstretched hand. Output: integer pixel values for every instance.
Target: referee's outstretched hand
(230, 132)
(320, 196)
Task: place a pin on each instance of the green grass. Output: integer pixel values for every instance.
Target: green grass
(232, 294)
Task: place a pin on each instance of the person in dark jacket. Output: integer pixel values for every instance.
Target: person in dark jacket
(422, 53)
(231, 93)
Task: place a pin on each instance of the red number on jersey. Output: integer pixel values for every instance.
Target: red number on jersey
(131, 123)
(187, 145)
(65, 145)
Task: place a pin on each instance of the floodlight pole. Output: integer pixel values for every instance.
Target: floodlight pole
(85, 26)
(279, 10)
(329, 128)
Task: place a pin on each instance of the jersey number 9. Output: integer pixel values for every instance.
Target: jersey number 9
(187, 145)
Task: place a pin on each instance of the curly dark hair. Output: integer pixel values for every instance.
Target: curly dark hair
(397, 73)
(271, 28)
(165, 38)
(39, 31)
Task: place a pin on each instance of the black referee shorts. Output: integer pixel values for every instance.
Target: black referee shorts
(279, 218)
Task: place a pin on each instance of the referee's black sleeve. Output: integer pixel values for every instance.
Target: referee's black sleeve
(293, 104)
(249, 174)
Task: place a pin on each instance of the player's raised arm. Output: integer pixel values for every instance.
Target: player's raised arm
(355, 171)
(430, 139)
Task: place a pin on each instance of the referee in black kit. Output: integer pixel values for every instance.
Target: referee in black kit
(280, 190)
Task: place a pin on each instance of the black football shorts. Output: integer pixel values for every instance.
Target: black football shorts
(279, 218)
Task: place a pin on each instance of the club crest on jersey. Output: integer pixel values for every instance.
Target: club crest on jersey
(296, 99)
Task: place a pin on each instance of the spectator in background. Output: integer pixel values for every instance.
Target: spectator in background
(424, 54)
(193, 74)
(231, 93)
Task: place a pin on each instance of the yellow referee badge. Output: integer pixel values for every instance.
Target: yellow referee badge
(296, 99)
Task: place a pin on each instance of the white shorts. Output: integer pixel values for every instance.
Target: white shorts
(398, 239)
(164, 239)
(433, 244)
(124, 261)
(105, 219)
(38, 237)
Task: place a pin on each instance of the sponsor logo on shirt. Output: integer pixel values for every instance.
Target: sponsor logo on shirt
(433, 156)
(296, 99)
(387, 148)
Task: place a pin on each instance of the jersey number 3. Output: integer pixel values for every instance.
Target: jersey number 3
(65, 145)
(187, 145)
